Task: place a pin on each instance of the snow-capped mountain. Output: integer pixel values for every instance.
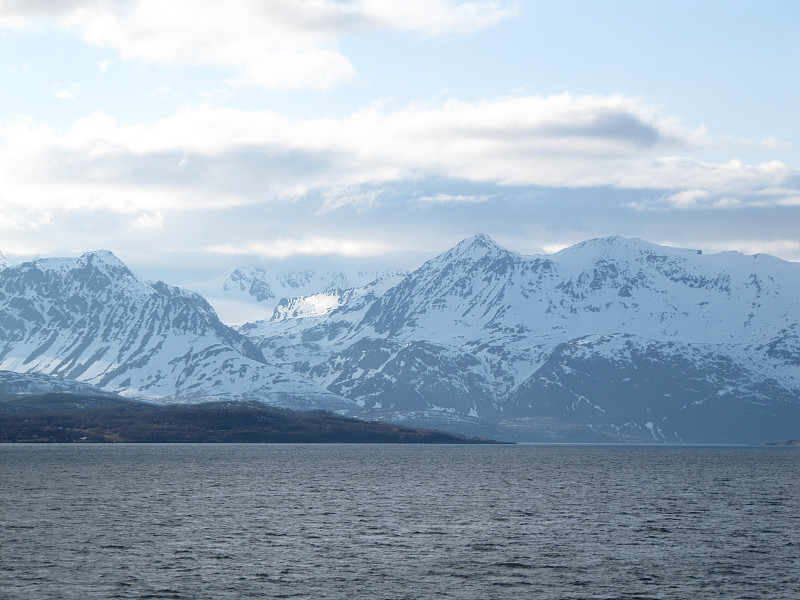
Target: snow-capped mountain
(257, 293)
(3, 261)
(611, 339)
(617, 335)
(91, 319)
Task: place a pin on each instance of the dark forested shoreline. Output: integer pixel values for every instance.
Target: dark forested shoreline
(64, 417)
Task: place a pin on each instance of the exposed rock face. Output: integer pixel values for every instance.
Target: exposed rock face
(617, 335)
(90, 319)
(613, 338)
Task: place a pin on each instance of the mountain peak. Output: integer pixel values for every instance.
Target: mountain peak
(612, 241)
(3, 262)
(475, 247)
(481, 240)
(619, 247)
(101, 257)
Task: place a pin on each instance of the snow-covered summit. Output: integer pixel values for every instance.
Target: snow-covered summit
(481, 330)
(617, 248)
(325, 303)
(91, 319)
(613, 336)
(255, 293)
(603, 285)
(101, 259)
(474, 248)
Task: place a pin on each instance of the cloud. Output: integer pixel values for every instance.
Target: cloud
(688, 198)
(70, 92)
(442, 198)
(229, 184)
(154, 220)
(317, 246)
(283, 44)
(434, 17)
(212, 158)
(13, 69)
(339, 196)
(24, 221)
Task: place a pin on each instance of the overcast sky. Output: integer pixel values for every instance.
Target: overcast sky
(189, 135)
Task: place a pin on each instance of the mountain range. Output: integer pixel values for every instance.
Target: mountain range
(613, 339)
(91, 319)
(247, 294)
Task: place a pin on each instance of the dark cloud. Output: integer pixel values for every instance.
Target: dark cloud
(619, 126)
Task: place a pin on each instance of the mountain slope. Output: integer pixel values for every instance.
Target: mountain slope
(598, 286)
(248, 294)
(677, 392)
(77, 418)
(480, 330)
(611, 339)
(14, 384)
(90, 319)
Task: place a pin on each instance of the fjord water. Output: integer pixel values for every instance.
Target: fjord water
(387, 521)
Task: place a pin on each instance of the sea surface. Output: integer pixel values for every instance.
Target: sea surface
(396, 522)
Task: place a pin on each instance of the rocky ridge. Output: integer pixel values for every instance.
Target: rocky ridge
(611, 339)
(92, 320)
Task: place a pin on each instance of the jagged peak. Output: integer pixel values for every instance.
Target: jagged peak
(474, 247)
(84, 268)
(3, 262)
(95, 258)
(246, 274)
(102, 257)
(481, 240)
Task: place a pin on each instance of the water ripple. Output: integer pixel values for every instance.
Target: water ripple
(334, 522)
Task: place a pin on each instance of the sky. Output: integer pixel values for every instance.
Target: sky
(189, 137)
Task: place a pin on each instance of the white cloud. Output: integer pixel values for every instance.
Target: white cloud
(317, 246)
(153, 220)
(70, 92)
(217, 158)
(434, 17)
(339, 196)
(774, 144)
(13, 69)
(164, 91)
(103, 65)
(453, 199)
(284, 44)
(21, 220)
(688, 198)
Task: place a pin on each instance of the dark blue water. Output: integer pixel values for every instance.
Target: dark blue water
(317, 521)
